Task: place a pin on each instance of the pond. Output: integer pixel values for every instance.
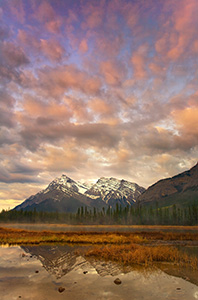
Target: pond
(49, 272)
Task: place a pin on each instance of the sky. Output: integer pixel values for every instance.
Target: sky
(97, 88)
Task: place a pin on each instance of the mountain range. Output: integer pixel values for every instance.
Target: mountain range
(64, 194)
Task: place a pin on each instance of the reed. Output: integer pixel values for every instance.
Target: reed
(17, 236)
(128, 248)
(140, 254)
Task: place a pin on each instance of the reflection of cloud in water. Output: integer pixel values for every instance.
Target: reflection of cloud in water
(62, 259)
(18, 277)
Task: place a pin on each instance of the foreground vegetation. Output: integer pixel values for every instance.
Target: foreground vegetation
(127, 248)
(18, 236)
(141, 254)
(134, 215)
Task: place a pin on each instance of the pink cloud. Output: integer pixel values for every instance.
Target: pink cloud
(187, 120)
(112, 72)
(35, 108)
(139, 61)
(45, 12)
(195, 46)
(78, 109)
(184, 14)
(68, 157)
(179, 31)
(1, 13)
(55, 81)
(13, 55)
(156, 68)
(52, 49)
(28, 40)
(101, 107)
(131, 13)
(54, 26)
(93, 14)
(108, 45)
(17, 10)
(83, 46)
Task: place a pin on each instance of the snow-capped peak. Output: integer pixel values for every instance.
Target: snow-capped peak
(65, 183)
(109, 189)
(106, 191)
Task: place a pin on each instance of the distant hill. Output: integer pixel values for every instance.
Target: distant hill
(64, 194)
(181, 189)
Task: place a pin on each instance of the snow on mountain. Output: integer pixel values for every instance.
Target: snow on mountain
(62, 194)
(67, 184)
(65, 194)
(111, 190)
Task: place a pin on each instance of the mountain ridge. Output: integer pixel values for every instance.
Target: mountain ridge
(177, 186)
(63, 194)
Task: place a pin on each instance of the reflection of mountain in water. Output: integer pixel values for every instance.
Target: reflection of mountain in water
(59, 260)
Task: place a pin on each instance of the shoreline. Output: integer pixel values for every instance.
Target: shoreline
(114, 228)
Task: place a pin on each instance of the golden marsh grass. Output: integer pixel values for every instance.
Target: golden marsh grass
(127, 248)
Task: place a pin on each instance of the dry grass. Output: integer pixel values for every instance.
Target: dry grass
(139, 254)
(128, 248)
(18, 236)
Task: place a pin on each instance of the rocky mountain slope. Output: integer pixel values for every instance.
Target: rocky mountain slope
(66, 195)
(182, 188)
(111, 189)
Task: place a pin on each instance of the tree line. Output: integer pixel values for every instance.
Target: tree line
(129, 215)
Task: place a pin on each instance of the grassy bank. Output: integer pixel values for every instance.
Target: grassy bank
(18, 236)
(128, 248)
(141, 254)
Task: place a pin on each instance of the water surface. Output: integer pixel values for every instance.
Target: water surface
(37, 272)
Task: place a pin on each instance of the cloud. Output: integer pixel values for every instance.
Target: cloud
(100, 106)
(17, 10)
(187, 120)
(68, 157)
(112, 72)
(12, 55)
(23, 175)
(54, 26)
(37, 131)
(12, 196)
(93, 14)
(45, 12)
(104, 88)
(139, 60)
(28, 40)
(131, 13)
(83, 46)
(4, 32)
(178, 31)
(7, 117)
(78, 108)
(56, 81)
(52, 49)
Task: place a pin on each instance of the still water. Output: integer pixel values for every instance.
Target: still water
(49, 272)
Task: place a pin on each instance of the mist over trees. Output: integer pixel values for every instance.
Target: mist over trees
(129, 215)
